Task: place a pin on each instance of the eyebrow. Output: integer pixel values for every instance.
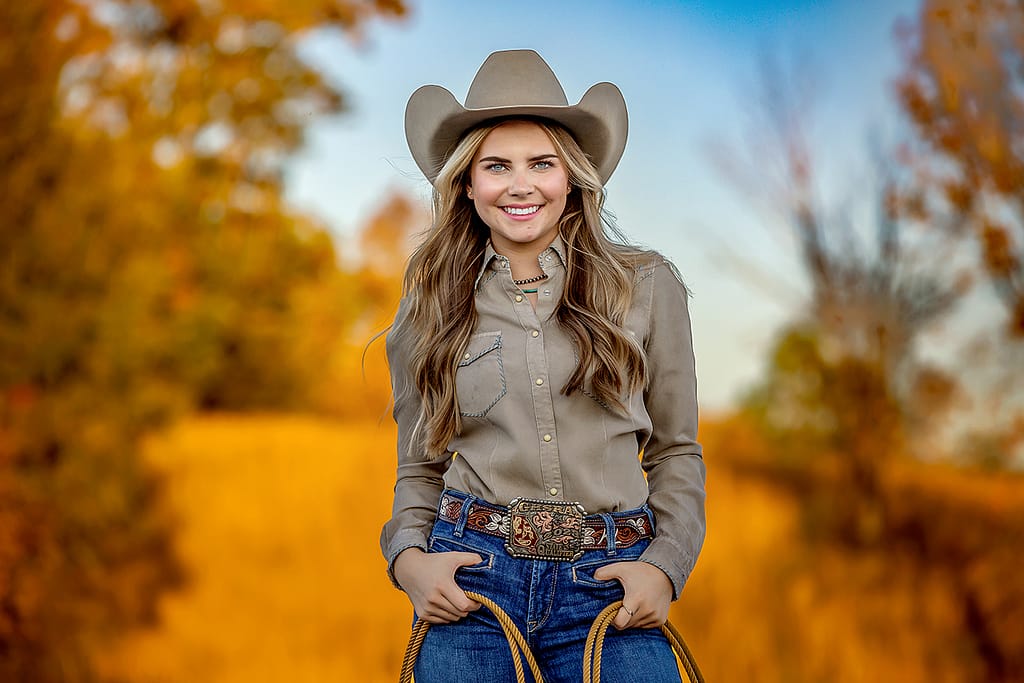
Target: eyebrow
(539, 157)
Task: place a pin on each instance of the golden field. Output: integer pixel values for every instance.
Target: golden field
(279, 518)
(278, 525)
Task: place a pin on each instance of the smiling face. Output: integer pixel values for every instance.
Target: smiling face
(518, 185)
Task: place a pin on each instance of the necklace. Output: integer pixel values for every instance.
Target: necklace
(542, 276)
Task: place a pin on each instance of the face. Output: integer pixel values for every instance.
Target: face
(518, 185)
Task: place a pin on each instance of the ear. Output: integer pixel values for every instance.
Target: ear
(469, 191)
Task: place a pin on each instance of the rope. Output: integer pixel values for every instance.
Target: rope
(516, 643)
(592, 650)
(594, 647)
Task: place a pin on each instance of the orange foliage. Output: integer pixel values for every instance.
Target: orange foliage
(148, 264)
(938, 577)
(847, 400)
(355, 381)
(961, 93)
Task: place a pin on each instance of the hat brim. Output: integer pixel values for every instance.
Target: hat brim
(435, 122)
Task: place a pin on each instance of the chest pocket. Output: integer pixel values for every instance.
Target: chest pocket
(480, 377)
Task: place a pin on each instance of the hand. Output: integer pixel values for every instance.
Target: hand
(429, 581)
(648, 594)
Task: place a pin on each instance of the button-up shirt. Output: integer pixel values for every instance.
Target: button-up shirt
(521, 436)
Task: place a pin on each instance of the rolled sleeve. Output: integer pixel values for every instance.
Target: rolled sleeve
(672, 457)
(419, 479)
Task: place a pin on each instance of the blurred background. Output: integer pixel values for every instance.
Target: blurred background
(204, 211)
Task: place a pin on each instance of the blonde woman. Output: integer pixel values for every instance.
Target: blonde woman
(534, 356)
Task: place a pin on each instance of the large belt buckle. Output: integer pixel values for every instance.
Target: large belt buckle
(545, 530)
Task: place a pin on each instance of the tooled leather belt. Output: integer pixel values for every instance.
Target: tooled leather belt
(545, 530)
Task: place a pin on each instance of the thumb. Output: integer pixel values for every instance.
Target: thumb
(621, 619)
(606, 573)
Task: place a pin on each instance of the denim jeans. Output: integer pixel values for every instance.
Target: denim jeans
(552, 603)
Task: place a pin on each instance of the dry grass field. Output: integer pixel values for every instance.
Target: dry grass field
(279, 519)
(279, 524)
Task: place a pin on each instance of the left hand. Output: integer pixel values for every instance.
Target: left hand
(648, 593)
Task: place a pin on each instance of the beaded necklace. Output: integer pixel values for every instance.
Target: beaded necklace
(528, 280)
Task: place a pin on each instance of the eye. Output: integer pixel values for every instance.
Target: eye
(543, 165)
(495, 167)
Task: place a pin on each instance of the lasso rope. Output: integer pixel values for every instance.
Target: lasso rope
(592, 650)
(594, 647)
(516, 643)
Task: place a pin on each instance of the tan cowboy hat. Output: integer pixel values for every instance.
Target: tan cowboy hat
(515, 83)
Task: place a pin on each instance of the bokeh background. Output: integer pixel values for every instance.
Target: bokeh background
(204, 210)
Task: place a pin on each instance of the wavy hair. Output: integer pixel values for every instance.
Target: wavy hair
(441, 275)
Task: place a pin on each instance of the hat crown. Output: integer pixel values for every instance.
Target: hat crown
(515, 78)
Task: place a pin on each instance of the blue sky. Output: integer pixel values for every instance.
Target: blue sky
(687, 70)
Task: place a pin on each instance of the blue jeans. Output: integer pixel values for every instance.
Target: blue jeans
(552, 603)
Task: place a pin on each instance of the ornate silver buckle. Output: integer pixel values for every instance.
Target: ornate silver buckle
(545, 530)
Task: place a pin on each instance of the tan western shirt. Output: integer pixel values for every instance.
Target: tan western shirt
(522, 437)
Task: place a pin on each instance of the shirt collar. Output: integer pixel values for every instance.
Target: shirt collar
(492, 260)
(558, 247)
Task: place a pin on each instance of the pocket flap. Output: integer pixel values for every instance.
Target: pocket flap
(480, 345)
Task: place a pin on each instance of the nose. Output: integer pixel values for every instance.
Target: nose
(519, 184)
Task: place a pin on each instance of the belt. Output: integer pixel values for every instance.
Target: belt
(545, 530)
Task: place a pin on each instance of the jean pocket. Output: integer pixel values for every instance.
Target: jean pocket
(480, 377)
(583, 572)
(446, 545)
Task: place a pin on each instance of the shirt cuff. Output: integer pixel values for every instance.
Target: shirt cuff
(403, 540)
(676, 564)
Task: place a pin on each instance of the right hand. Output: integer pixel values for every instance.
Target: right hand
(429, 581)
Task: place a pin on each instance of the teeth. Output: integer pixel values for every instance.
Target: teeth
(521, 212)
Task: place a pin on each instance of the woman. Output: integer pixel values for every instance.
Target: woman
(532, 359)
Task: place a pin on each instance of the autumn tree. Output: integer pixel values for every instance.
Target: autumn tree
(848, 404)
(358, 308)
(845, 391)
(961, 91)
(148, 264)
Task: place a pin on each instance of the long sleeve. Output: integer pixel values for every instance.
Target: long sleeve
(419, 480)
(672, 457)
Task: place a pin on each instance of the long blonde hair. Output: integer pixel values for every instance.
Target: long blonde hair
(440, 279)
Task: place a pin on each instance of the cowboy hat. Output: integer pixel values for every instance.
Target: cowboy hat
(515, 83)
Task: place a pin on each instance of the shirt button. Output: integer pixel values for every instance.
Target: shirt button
(539, 381)
(535, 333)
(519, 297)
(547, 292)
(553, 491)
(547, 437)
(466, 357)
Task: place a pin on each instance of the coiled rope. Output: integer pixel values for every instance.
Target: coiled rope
(592, 650)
